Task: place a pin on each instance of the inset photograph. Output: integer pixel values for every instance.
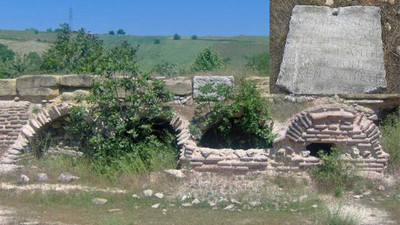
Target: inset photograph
(334, 47)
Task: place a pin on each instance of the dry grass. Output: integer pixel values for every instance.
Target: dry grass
(280, 12)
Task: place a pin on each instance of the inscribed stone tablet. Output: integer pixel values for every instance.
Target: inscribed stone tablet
(333, 51)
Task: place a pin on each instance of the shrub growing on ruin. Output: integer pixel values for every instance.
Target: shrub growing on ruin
(237, 117)
(122, 128)
(333, 172)
(390, 127)
(259, 63)
(207, 60)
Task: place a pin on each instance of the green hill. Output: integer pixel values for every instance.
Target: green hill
(181, 52)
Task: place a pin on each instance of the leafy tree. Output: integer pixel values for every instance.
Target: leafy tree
(120, 32)
(207, 60)
(120, 124)
(157, 41)
(5, 53)
(237, 117)
(194, 37)
(79, 53)
(111, 32)
(49, 30)
(177, 37)
(259, 63)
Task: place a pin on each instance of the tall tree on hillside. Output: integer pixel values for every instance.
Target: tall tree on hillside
(177, 37)
(5, 53)
(111, 32)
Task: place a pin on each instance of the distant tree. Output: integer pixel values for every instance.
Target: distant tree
(194, 37)
(49, 30)
(207, 60)
(111, 32)
(120, 32)
(157, 41)
(177, 37)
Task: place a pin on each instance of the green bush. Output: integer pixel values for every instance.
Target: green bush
(122, 129)
(259, 63)
(207, 60)
(194, 37)
(5, 53)
(390, 127)
(238, 117)
(170, 69)
(337, 218)
(333, 173)
(73, 53)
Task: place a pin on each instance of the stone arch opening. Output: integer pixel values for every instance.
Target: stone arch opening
(234, 139)
(314, 148)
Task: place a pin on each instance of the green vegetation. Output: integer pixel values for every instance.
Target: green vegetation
(111, 32)
(124, 125)
(194, 37)
(176, 37)
(79, 53)
(337, 218)
(208, 60)
(334, 174)
(390, 127)
(181, 52)
(120, 32)
(259, 63)
(236, 117)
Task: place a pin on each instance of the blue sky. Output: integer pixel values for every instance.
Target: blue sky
(142, 17)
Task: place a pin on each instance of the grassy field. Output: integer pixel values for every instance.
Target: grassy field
(181, 52)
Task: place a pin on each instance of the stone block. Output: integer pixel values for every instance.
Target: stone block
(179, 85)
(333, 51)
(38, 86)
(8, 87)
(78, 81)
(201, 81)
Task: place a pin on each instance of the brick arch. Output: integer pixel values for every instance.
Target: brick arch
(342, 126)
(46, 116)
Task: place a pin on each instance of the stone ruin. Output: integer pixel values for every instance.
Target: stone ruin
(332, 58)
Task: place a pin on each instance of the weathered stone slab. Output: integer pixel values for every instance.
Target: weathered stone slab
(333, 51)
(201, 81)
(81, 80)
(8, 88)
(179, 85)
(38, 86)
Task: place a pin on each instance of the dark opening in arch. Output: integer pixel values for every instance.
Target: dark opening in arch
(314, 148)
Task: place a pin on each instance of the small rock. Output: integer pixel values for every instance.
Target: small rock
(67, 177)
(171, 205)
(164, 211)
(366, 193)
(372, 199)
(314, 206)
(187, 204)
(329, 2)
(155, 206)
(381, 188)
(175, 173)
(159, 195)
(135, 196)
(24, 179)
(357, 196)
(223, 200)
(293, 210)
(99, 201)
(196, 202)
(42, 177)
(236, 202)
(148, 193)
(229, 207)
(255, 203)
(212, 204)
(184, 198)
(114, 210)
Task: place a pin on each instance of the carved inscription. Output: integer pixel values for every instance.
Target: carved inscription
(331, 51)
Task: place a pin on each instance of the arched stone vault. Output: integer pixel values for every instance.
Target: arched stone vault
(344, 127)
(46, 116)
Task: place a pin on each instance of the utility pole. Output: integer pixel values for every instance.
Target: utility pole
(70, 18)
